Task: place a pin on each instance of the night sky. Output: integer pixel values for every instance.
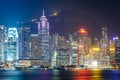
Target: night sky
(72, 14)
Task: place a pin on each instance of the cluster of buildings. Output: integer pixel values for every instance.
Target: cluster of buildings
(20, 47)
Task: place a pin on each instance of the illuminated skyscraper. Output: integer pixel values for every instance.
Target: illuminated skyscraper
(62, 54)
(74, 53)
(3, 40)
(43, 26)
(53, 49)
(104, 48)
(83, 46)
(43, 31)
(35, 46)
(12, 45)
(104, 41)
(24, 42)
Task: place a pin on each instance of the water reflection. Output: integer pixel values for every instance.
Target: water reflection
(61, 75)
(12, 75)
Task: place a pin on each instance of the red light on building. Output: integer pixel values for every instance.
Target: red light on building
(83, 31)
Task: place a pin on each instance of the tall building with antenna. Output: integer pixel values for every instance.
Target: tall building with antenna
(43, 26)
(43, 31)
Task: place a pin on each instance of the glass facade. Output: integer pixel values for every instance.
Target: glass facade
(24, 42)
(12, 45)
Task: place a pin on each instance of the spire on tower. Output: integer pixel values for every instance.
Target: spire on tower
(43, 12)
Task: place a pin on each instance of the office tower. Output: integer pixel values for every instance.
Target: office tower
(3, 40)
(43, 31)
(117, 52)
(83, 46)
(53, 49)
(12, 45)
(74, 53)
(104, 41)
(36, 46)
(63, 56)
(104, 48)
(112, 49)
(24, 42)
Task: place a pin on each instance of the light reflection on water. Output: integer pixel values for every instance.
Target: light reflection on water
(61, 75)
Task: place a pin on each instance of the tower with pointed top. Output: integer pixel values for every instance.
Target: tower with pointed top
(43, 31)
(43, 25)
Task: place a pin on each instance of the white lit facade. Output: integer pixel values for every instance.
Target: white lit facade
(12, 45)
(63, 54)
(3, 40)
(74, 53)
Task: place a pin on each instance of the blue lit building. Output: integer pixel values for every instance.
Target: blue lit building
(12, 45)
(24, 42)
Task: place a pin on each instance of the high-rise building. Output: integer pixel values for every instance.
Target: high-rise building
(83, 46)
(74, 53)
(53, 49)
(35, 46)
(3, 40)
(117, 51)
(104, 41)
(43, 31)
(12, 45)
(112, 50)
(63, 55)
(24, 42)
(104, 48)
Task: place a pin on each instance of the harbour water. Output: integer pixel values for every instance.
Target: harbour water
(61, 75)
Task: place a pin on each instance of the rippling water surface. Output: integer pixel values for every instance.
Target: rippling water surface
(61, 75)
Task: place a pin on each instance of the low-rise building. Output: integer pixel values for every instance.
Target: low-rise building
(33, 63)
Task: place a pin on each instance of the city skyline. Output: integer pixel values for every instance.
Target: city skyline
(96, 13)
(23, 48)
(59, 39)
